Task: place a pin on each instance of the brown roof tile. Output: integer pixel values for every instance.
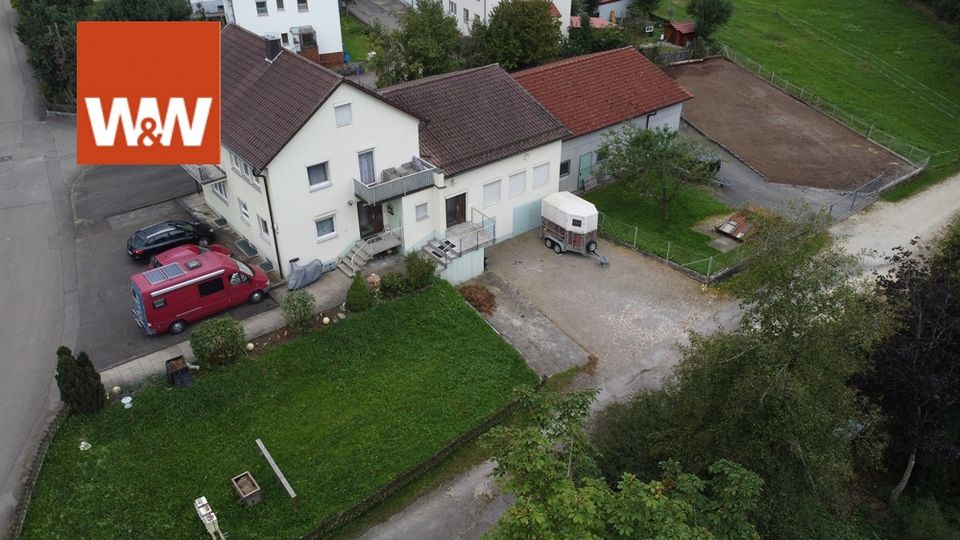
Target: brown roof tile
(475, 117)
(599, 90)
(684, 27)
(264, 104)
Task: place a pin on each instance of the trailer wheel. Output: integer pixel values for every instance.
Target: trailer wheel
(256, 297)
(548, 242)
(558, 249)
(591, 246)
(177, 326)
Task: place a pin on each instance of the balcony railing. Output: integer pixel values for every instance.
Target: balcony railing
(205, 174)
(396, 182)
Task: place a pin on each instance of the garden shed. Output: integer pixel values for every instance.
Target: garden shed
(680, 32)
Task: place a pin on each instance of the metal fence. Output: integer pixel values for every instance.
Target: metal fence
(917, 157)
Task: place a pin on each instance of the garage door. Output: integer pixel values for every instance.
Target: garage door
(526, 217)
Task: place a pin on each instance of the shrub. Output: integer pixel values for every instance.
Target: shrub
(79, 382)
(419, 270)
(393, 285)
(298, 311)
(358, 296)
(218, 341)
(480, 298)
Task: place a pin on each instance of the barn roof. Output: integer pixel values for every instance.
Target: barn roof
(684, 27)
(595, 91)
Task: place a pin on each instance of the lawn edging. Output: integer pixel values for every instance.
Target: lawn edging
(401, 480)
(36, 465)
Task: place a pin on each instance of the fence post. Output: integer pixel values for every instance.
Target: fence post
(709, 267)
(634, 237)
(870, 132)
(668, 251)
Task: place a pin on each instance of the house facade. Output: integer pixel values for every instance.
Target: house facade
(466, 11)
(309, 27)
(597, 94)
(316, 167)
(612, 10)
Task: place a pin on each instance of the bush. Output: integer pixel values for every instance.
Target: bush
(393, 285)
(358, 296)
(419, 270)
(79, 382)
(298, 311)
(218, 341)
(480, 298)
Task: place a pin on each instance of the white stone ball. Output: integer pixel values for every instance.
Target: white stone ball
(249, 346)
(326, 320)
(115, 389)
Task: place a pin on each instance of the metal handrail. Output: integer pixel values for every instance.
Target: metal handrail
(366, 242)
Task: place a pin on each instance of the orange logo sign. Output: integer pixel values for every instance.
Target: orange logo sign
(148, 92)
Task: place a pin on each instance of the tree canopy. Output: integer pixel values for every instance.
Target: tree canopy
(426, 43)
(709, 15)
(587, 39)
(518, 34)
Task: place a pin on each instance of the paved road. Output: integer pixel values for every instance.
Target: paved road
(38, 273)
(388, 12)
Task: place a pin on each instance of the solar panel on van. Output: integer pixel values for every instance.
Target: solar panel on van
(163, 273)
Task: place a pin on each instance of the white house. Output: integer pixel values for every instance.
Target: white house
(315, 166)
(309, 27)
(612, 10)
(595, 94)
(465, 11)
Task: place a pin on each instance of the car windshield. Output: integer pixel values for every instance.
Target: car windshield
(244, 268)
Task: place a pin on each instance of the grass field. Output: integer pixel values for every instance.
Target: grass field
(343, 411)
(629, 216)
(355, 40)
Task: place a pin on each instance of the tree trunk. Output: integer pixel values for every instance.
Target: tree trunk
(903, 479)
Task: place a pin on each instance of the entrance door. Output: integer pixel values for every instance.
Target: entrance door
(586, 164)
(371, 219)
(456, 210)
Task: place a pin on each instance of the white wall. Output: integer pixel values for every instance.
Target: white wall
(322, 15)
(668, 117)
(484, 8)
(619, 7)
(472, 182)
(417, 233)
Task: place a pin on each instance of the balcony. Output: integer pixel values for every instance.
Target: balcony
(396, 182)
(205, 174)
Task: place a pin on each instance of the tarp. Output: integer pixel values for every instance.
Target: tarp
(302, 275)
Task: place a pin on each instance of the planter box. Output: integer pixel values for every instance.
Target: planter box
(247, 488)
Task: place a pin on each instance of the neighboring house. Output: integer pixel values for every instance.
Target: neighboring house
(315, 166)
(680, 32)
(309, 27)
(595, 22)
(598, 93)
(613, 10)
(466, 11)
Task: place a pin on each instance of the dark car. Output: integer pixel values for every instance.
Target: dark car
(151, 240)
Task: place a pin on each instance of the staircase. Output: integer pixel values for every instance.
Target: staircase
(355, 259)
(442, 251)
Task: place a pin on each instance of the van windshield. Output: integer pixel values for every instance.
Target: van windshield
(244, 268)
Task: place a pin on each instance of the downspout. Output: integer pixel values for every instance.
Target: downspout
(273, 224)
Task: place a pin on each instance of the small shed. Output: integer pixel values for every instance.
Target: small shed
(680, 32)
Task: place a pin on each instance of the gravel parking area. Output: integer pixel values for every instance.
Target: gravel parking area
(631, 314)
(786, 140)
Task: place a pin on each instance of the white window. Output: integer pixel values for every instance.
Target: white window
(302, 5)
(279, 5)
(326, 228)
(491, 193)
(422, 212)
(518, 184)
(466, 15)
(264, 227)
(244, 211)
(317, 176)
(453, 8)
(220, 188)
(344, 114)
(261, 7)
(541, 175)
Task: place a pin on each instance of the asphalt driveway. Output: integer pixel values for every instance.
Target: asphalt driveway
(109, 204)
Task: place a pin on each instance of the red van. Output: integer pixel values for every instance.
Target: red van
(191, 286)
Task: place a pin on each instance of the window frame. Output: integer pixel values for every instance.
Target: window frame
(452, 6)
(546, 177)
(336, 117)
(320, 185)
(221, 191)
(499, 183)
(280, 5)
(302, 6)
(426, 211)
(256, 5)
(285, 39)
(567, 163)
(244, 210)
(331, 235)
(466, 16)
(523, 175)
(264, 227)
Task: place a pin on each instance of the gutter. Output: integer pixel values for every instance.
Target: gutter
(273, 224)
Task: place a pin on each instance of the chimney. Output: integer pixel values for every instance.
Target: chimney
(273, 45)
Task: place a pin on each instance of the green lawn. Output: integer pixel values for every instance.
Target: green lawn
(343, 411)
(629, 215)
(355, 40)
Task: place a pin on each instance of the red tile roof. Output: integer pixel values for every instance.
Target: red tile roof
(553, 10)
(595, 22)
(475, 117)
(684, 27)
(599, 90)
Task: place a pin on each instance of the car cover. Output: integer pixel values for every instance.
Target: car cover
(302, 275)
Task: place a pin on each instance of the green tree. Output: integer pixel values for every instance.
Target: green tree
(709, 15)
(543, 462)
(658, 162)
(519, 34)
(298, 309)
(426, 43)
(79, 383)
(773, 394)
(142, 10)
(641, 9)
(48, 29)
(218, 341)
(587, 39)
(358, 295)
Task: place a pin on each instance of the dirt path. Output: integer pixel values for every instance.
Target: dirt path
(872, 234)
